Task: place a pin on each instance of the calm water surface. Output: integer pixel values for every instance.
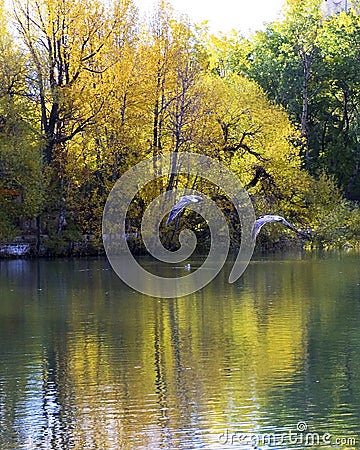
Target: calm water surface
(89, 364)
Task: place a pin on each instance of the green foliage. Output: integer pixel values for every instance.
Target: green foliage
(339, 103)
(310, 66)
(91, 91)
(21, 193)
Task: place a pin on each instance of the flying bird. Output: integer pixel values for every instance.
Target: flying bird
(182, 203)
(261, 221)
(186, 200)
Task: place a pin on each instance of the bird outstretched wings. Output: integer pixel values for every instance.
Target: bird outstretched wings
(182, 203)
(186, 200)
(261, 221)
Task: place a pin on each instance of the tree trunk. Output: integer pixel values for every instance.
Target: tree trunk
(304, 125)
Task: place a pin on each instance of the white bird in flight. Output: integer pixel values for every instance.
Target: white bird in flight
(182, 203)
(261, 221)
(186, 200)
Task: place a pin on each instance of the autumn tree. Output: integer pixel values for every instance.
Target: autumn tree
(67, 44)
(174, 64)
(90, 91)
(21, 192)
(110, 142)
(255, 139)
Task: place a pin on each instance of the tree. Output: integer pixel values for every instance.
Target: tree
(21, 192)
(67, 44)
(339, 108)
(90, 92)
(286, 62)
(303, 24)
(174, 63)
(308, 64)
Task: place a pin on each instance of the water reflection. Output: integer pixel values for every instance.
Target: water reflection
(87, 363)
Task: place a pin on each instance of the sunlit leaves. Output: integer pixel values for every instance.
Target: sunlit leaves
(20, 160)
(91, 91)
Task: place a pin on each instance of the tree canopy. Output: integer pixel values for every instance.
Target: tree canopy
(87, 90)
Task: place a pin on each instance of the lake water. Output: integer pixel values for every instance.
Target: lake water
(271, 361)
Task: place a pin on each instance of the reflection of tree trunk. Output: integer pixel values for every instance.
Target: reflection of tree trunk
(161, 362)
(175, 339)
(160, 377)
(54, 396)
(38, 235)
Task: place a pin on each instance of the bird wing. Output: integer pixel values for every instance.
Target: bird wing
(177, 208)
(258, 224)
(261, 221)
(301, 233)
(289, 225)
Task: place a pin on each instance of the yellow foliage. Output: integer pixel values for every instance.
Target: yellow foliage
(109, 92)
